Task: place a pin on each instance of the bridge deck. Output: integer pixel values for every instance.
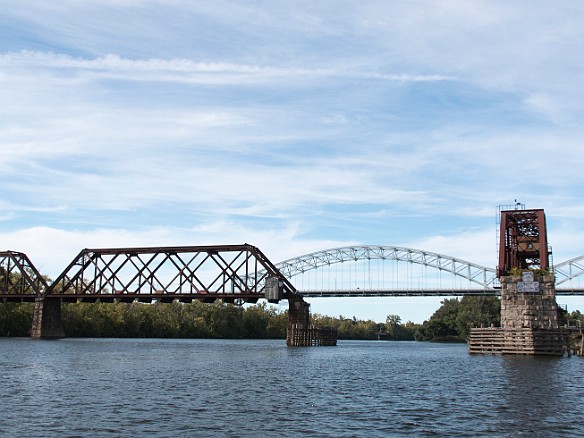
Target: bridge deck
(417, 293)
(254, 297)
(164, 297)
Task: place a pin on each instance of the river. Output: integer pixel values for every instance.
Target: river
(195, 387)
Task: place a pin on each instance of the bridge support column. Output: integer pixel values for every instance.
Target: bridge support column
(300, 333)
(531, 321)
(298, 322)
(47, 322)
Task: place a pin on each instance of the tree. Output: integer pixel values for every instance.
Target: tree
(575, 317)
(477, 311)
(391, 325)
(16, 319)
(442, 324)
(454, 319)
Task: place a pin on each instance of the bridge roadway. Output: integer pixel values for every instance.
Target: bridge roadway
(418, 293)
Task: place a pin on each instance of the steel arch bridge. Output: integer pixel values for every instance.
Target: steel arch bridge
(479, 280)
(569, 270)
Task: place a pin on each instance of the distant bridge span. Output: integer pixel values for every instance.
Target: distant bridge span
(481, 280)
(478, 274)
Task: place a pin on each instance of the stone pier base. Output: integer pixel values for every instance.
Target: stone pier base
(47, 322)
(531, 322)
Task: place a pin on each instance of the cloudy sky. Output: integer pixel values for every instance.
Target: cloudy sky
(295, 126)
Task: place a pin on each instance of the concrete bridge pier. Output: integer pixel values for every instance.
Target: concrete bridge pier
(47, 323)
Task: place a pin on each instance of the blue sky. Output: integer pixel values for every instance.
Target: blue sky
(292, 125)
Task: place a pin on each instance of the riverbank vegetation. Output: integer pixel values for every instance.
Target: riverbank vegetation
(451, 322)
(178, 320)
(454, 319)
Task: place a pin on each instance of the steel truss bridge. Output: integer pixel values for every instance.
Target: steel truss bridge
(242, 273)
(232, 273)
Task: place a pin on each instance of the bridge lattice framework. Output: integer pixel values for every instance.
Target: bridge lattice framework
(233, 273)
(480, 280)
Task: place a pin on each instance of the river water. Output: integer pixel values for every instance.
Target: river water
(168, 387)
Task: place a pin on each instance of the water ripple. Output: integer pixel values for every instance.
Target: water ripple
(105, 387)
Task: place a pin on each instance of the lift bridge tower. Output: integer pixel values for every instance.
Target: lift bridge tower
(523, 241)
(531, 321)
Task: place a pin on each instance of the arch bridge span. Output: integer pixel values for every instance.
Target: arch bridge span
(377, 270)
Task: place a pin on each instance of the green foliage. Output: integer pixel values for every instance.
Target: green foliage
(515, 272)
(518, 272)
(353, 328)
(16, 319)
(397, 331)
(454, 319)
(477, 311)
(575, 318)
(218, 320)
(347, 328)
(173, 320)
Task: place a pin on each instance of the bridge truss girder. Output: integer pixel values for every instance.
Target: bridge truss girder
(19, 278)
(485, 277)
(168, 273)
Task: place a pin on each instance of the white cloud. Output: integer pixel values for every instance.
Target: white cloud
(52, 249)
(178, 70)
(293, 126)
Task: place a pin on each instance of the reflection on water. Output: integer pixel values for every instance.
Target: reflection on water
(132, 387)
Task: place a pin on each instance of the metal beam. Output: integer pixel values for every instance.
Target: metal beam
(483, 276)
(19, 278)
(165, 273)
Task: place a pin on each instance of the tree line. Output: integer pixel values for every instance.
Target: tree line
(451, 322)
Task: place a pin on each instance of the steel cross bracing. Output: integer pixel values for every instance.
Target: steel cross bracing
(19, 279)
(168, 273)
(234, 273)
(485, 277)
(569, 269)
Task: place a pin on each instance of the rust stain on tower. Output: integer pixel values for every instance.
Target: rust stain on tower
(523, 241)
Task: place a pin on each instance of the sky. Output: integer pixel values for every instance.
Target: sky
(295, 126)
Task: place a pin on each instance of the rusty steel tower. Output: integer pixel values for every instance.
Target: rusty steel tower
(523, 241)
